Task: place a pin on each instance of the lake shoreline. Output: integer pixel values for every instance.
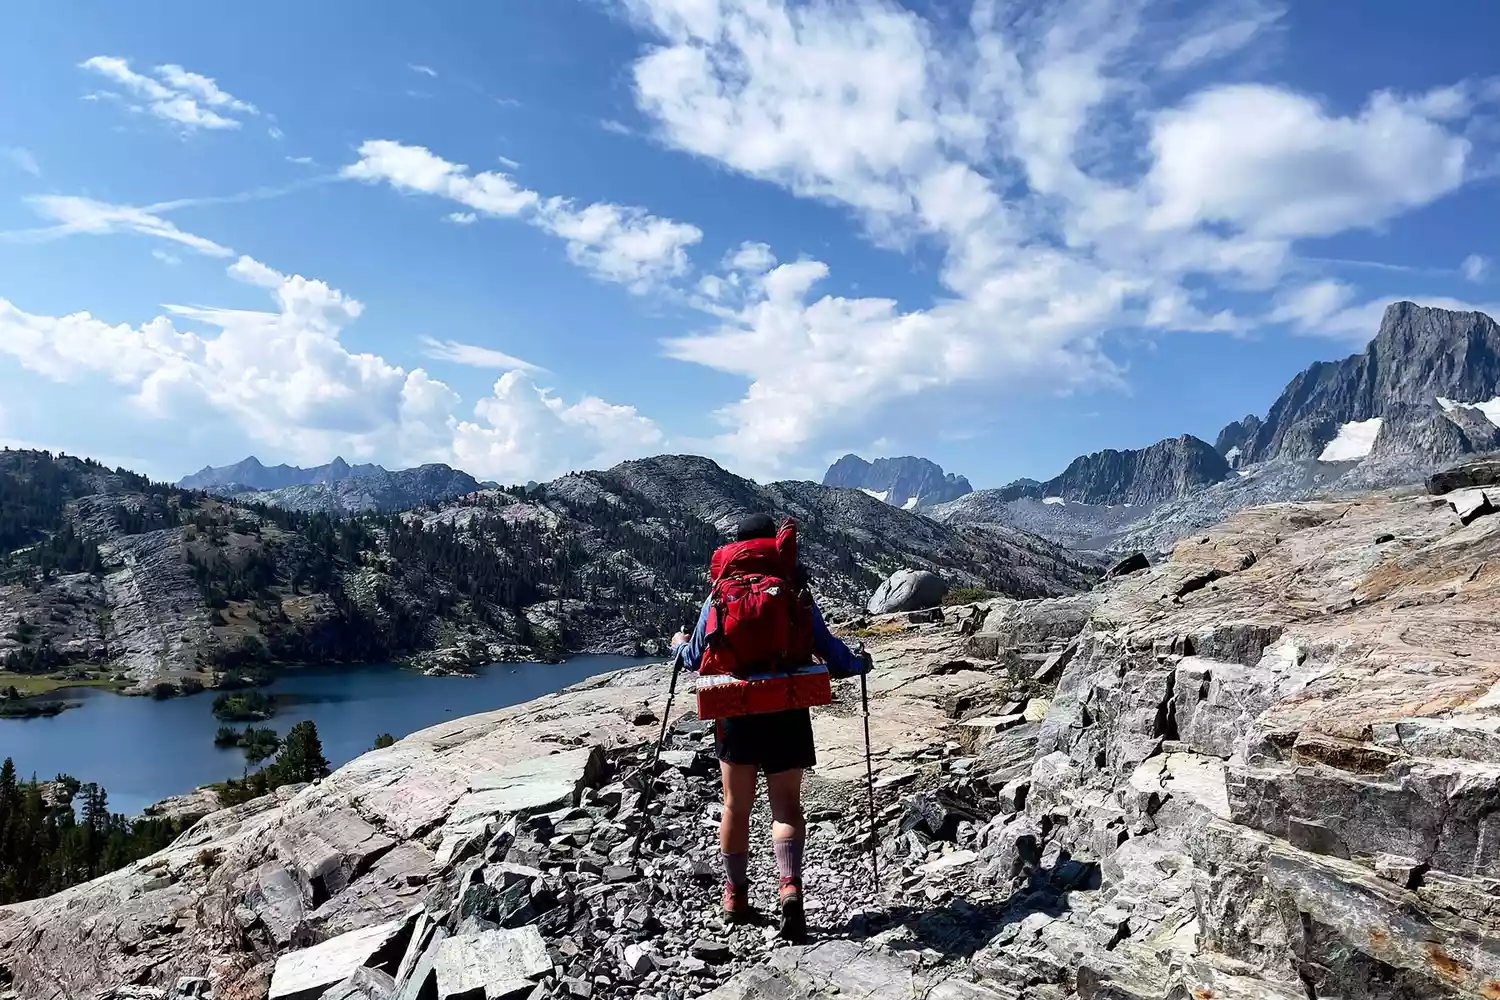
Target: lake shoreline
(144, 751)
(49, 687)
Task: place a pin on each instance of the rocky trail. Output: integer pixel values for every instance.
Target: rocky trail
(1266, 769)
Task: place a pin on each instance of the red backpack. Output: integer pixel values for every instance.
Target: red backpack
(760, 619)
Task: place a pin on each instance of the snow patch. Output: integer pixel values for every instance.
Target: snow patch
(1354, 441)
(911, 504)
(1490, 408)
(881, 495)
(1232, 455)
(1058, 500)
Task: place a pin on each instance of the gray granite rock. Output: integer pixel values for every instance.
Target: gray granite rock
(907, 590)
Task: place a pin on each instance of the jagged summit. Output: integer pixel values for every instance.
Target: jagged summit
(908, 481)
(1425, 392)
(1422, 361)
(252, 474)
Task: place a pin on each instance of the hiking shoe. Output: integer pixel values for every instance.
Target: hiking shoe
(737, 903)
(793, 917)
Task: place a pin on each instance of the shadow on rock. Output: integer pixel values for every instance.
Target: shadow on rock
(957, 928)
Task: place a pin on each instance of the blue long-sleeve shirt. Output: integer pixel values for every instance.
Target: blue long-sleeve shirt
(841, 660)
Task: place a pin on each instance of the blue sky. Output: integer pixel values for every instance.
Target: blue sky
(545, 235)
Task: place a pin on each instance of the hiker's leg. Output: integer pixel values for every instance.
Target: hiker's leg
(734, 825)
(788, 830)
(788, 826)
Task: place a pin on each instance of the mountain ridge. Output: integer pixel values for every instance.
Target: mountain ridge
(251, 474)
(1423, 393)
(147, 584)
(906, 481)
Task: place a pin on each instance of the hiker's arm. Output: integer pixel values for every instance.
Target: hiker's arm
(842, 661)
(691, 648)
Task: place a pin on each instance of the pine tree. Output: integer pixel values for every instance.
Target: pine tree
(301, 758)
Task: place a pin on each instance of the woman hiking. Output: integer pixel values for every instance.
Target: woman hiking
(778, 744)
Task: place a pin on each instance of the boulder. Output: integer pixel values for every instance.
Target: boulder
(306, 974)
(1133, 563)
(1466, 475)
(1470, 504)
(908, 590)
(364, 984)
(491, 964)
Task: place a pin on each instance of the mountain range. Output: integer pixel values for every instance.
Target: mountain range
(105, 575)
(250, 474)
(335, 488)
(1424, 392)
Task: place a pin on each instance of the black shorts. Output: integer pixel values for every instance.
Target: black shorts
(775, 742)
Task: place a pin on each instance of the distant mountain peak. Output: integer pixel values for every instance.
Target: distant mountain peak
(251, 474)
(906, 481)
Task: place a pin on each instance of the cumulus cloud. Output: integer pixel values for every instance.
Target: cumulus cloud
(522, 428)
(1273, 163)
(1068, 195)
(189, 100)
(1475, 267)
(286, 379)
(616, 242)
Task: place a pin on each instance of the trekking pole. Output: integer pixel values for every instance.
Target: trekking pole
(650, 781)
(864, 697)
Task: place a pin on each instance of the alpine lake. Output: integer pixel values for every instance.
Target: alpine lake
(143, 750)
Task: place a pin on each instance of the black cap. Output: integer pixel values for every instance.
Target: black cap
(754, 526)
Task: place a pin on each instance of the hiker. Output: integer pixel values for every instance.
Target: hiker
(780, 744)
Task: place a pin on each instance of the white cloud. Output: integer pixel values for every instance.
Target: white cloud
(275, 133)
(284, 377)
(189, 100)
(1475, 267)
(414, 168)
(85, 215)
(1222, 38)
(474, 356)
(522, 430)
(166, 258)
(618, 128)
(23, 159)
(753, 258)
(1033, 151)
(202, 88)
(616, 242)
(1273, 163)
(461, 218)
(507, 161)
(424, 70)
(305, 161)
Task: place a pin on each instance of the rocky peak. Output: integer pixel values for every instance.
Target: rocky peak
(1420, 355)
(1234, 438)
(250, 474)
(907, 481)
(1167, 469)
